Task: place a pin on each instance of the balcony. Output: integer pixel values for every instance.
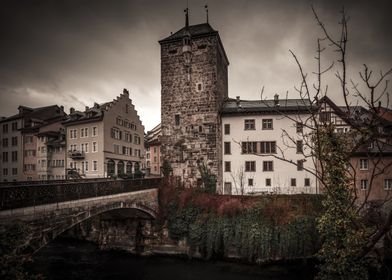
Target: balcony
(75, 155)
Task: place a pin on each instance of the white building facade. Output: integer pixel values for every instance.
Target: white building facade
(265, 147)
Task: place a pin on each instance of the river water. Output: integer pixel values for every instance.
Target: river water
(74, 259)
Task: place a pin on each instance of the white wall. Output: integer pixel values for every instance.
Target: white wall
(282, 171)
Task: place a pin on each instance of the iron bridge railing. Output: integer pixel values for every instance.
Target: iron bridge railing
(13, 197)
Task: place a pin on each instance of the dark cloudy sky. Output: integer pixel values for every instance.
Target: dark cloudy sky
(75, 53)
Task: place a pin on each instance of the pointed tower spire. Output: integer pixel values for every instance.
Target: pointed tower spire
(206, 7)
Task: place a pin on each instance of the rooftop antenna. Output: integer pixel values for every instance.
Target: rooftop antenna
(206, 7)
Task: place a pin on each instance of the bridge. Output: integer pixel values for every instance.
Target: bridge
(52, 208)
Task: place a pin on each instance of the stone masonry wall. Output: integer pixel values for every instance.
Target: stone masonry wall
(197, 138)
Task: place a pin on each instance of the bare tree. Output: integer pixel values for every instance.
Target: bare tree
(347, 236)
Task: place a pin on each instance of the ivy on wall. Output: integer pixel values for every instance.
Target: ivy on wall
(254, 228)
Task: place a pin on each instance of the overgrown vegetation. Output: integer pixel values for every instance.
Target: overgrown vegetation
(253, 228)
(208, 178)
(342, 229)
(13, 240)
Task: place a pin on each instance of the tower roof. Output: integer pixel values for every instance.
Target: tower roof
(198, 30)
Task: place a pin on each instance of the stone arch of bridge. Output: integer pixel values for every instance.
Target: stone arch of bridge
(46, 236)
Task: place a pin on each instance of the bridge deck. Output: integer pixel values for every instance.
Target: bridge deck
(13, 197)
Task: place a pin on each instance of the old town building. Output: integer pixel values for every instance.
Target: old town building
(194, 85)
(153, 158)
(371, 159)
(19, 142)
(105, 140)
(256, 136)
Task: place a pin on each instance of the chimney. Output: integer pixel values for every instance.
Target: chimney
(238, 100)
(276, 100)
(71, 110)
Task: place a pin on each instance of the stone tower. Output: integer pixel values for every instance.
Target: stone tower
(194, 86)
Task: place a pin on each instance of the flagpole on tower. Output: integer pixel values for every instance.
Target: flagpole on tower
(206, 7)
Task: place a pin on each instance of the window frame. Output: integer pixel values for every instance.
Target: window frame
(249, 124)
(267, 124)
(268, 165)
(364, 184)
(227, 148)
(388, 184)
(226, 129)
(363, 164)
(227, 166)
(250, 166)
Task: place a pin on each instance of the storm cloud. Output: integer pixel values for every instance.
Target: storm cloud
(75, 53)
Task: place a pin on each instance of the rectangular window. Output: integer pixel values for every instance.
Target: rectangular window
(325, 117)
(250, 182)
(227, 129)
(299, 127)
(86, 147)
(116, 133)
(73, 133)
(268, 165)
(5, 142)
(268, 147)
(86, 132)
(299, 146)
(249, 125)
(5, 156)
(14, 171)
(14, 141)
(364, 184)
(293, 182)
(14, 126)
(95, 147)
(363, 164)
(249, 147)
(267, 124)
(82, 133)
(116, 149)
(268, 182)
(300, 165)
(388, 184)
(227, 188)
(5, 171)
(95, 165)
(14, 156)
(307, 182)
(227, 148)
(86, 166)
(227, 166)
(250, 166)
(5, 128)
(177, 119)
(95, 131)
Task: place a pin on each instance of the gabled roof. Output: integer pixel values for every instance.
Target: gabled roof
(243, 107)
(90, 115)
(38, 115)
(198, 30)
(356, 115)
